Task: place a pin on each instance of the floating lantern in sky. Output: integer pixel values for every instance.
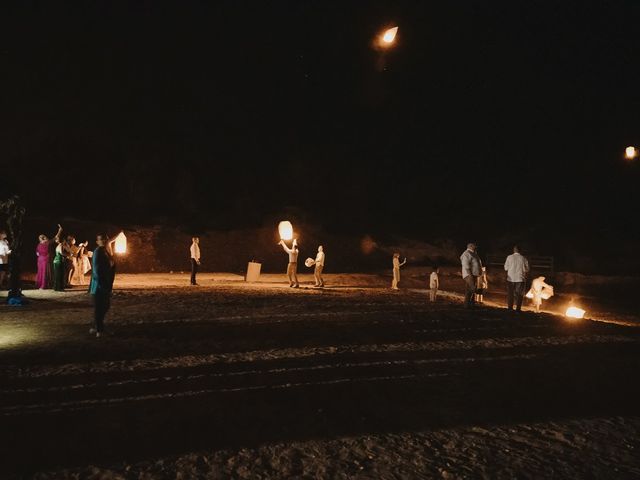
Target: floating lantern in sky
(575, 312)
(389, 35)
(121, 243)
(630, 153)
(285, 229)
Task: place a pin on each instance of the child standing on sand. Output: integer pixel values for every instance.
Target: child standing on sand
(483, 285)
(434, 284)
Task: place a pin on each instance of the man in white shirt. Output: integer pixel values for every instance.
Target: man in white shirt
(517, 268)
(195, 258)
(4, 256)
(292, 267)
(319, 263)
(471, 270)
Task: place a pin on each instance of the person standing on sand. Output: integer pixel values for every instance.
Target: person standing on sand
(319, 266)
(5, 251)
(102, 277)
(471, 270)
(60, 265)
(43, 277)
(292, 267)
(396, 270)
(483, 285)
(434, 284)
(517, 268)
(195, 258)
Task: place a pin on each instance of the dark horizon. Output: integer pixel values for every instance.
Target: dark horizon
(491, 119)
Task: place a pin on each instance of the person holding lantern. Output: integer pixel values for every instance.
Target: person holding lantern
(292, 267)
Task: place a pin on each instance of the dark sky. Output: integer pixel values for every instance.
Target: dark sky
(485, 115)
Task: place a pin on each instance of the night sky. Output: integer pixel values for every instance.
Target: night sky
(485, 117)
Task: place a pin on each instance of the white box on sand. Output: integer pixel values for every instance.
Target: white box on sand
(253, 272)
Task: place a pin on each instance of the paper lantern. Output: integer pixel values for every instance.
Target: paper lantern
(285, 229)
(121, 243)
(575, 312)
(389, 35)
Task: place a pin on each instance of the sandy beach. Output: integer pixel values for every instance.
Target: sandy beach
(237, 380)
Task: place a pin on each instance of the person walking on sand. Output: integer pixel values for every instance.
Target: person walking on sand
(471, 270)
(292, 267)
(434, 284)
(516, 267)
(102, 277)
(5, 251)
(195, 258)
(396, 270)
(319, 266)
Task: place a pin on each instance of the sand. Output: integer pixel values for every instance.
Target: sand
(236, 380)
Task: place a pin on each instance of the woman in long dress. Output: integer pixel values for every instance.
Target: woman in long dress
(72, 260)
(43, 277)
(60, 265)
(396, 270)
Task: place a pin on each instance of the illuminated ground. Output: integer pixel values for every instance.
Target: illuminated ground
(262, 381)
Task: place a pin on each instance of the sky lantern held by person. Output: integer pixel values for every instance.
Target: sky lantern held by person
(631, 153)
(120, 246)
(575, 312)
(285, 229)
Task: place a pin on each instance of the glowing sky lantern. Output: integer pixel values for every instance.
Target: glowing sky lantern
(575, 312)
(630, 153)
(285, 229)
(121, 243)
(389, 35)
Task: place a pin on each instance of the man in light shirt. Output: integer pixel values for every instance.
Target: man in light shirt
(4, 256)
(195, 258)
(471, 270)
(517, 268)
(319, 266)
(292, 267)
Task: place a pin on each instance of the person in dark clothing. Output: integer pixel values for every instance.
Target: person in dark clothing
(102, 277)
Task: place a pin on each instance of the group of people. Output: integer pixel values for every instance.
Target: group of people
(292, 266)
(516, 268)
(67, 263)
(61, 262)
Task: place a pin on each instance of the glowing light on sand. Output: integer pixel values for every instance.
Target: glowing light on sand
(630, 153)
(575, 312)
(389, 35)
(121, 243)
(285, 229)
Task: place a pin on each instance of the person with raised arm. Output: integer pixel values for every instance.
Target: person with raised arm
(292, 266)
